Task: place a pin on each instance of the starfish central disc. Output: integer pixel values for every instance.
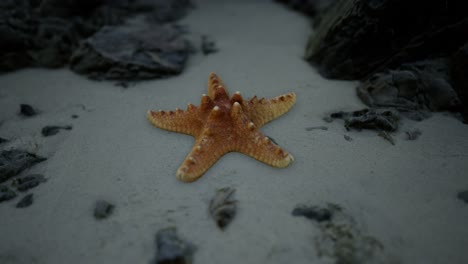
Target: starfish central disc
(223, 124)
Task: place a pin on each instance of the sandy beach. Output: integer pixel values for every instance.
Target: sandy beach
(404, 196)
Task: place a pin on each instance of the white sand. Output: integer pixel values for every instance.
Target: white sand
(403, 195)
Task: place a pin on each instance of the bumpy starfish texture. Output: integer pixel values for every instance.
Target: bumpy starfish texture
(223, 124)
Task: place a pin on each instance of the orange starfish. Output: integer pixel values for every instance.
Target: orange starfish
(222, 124)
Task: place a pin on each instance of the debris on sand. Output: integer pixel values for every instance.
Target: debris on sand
(223, 207)
(463, 195)
(6, 193)
(48, 131)
(29, 181)
(347, 138)
(171, 249)
(208, 46)
(387, 136)
(413, 134)
(341, 240)
(26, 201)
(12, 162)
(370, 118)
(103, 209)
(27, 110)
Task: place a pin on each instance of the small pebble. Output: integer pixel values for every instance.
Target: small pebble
(208, 46)
(75, 116)
(27, 110)
(6, 193)
(103, 209)
(316, 128)
(314, 213)
(347, 138)
(26, 201)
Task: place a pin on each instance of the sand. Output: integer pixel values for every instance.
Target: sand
(403, 195)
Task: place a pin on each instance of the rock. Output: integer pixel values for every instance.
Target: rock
(458, 73)
(103, 209)
(46, 33)
(309, 7)
(316, 213)
(6, 193)
(357, 38)
(3, 140)
(374, 118)
(26, 201)
(208, 46)
(12, 162)
(463, 195)
(29, 181)
(48, 131)
(133, 51)
(413, 89)
(171, 249)
(27, 110)
(340, 240)
(223, 207)
(347, 138)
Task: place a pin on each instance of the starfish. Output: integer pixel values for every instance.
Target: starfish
(223, 124)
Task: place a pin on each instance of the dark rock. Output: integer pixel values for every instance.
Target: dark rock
(458, 71)
(316, 213)
(29, 181)
(413, 89)
(208, 46)
(347, 138)
(75, 116)
(46, 33)
(223, 207)
(309, 7)
(103, 209)
(53, 130)
(374, 118)
(27, 110)
(171, 249)
(132, 52)
(316, 128)
(26, 201)
(12, 162)
(358, 38)
(6, 193)
(463, 195)
(2, 140)
(413, 134)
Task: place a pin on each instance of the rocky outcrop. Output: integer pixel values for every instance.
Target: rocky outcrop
(47, 33)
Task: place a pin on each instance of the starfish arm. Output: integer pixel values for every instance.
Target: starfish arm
(261, 148)
(262, 111)
(186, 122)
(216, 88)
(255, 144)
(206, 151)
